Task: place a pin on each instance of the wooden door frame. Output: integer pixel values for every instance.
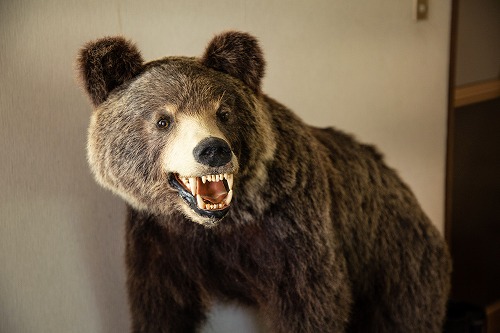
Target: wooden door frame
(450, 122)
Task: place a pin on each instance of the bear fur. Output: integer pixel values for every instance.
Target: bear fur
(319, 235)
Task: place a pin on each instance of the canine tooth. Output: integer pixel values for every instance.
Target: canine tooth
(203, 179)
(230, 179)
(199, 200)
(193, 185)
(229, 197)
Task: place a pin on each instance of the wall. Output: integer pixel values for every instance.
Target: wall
(362, 66)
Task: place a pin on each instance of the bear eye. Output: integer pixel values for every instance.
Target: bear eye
(223, 115)
(163, 123)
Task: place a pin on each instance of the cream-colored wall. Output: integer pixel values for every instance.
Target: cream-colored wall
(363, 66)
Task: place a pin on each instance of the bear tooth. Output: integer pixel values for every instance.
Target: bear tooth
(193, 185)
(199, 200)
(216, 178)
(203, 179)
(225, 176)
(230, 179)
(229, 197)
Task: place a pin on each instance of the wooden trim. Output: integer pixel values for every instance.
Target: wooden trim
(450, 123)
(475, 93)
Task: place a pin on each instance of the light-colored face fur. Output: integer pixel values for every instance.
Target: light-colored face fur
(141, 142)
(190, 131)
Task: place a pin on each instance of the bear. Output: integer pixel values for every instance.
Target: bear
(231, 197)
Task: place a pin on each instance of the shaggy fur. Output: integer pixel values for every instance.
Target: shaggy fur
(106, 64)
(321, 235)
(237, 55)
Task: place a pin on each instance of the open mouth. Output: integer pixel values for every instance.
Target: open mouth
(209, 195)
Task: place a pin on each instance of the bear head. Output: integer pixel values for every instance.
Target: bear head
(179, 134)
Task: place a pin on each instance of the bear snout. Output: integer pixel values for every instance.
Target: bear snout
(213, 152)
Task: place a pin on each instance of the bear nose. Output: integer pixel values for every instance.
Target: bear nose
(212, 152)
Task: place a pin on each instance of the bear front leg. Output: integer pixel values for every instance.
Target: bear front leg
(163, 298)
(155, 309)
(315, 299)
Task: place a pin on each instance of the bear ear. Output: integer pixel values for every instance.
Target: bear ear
(105, 64)
(237, 54)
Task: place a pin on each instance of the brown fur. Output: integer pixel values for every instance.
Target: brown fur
(238, 55)
(106, 64)
(321, 235)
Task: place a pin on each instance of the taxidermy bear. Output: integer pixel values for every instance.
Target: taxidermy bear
(232, 197)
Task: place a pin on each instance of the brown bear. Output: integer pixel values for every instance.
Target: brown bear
(232, 197)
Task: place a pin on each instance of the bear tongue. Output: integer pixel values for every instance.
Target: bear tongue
(213, 192)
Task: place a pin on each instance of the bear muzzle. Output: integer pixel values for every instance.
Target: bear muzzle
(203, 180)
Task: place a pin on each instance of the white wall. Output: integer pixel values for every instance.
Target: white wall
(364, 66)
